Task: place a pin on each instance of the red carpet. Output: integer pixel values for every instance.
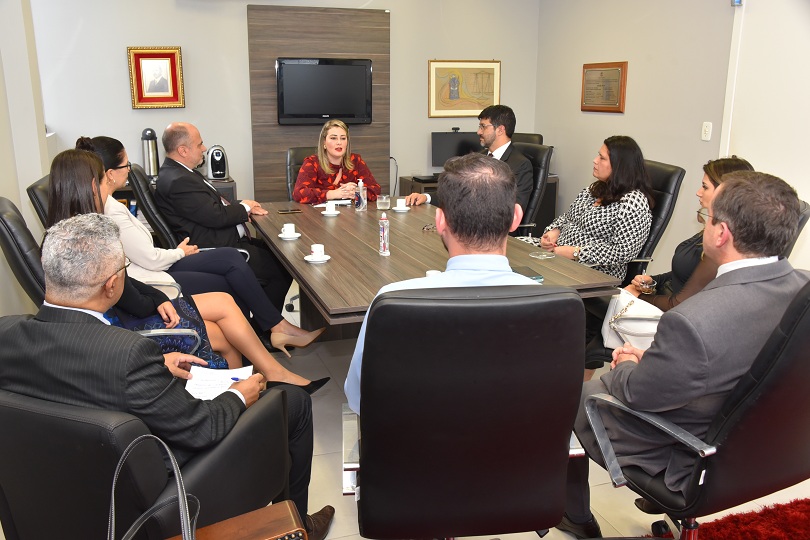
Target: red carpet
(789, 521)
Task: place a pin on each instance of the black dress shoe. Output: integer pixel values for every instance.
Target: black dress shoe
(589, 529)
(648, 507)
(310, 388)
(318, 524)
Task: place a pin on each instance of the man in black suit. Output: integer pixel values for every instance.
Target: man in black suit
(69, 353)
(195, 209)
(495, 130)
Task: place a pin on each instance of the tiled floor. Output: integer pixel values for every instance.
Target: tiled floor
(613, 508)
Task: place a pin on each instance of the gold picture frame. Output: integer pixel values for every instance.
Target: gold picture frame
(604, 86)
(156, 77)
(459, 88)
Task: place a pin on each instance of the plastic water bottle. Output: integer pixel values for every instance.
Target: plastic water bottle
(384, 232)
(361, 197)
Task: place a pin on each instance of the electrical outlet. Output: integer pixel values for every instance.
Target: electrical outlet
(706, 132)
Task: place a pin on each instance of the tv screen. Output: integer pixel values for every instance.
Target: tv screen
(313, 90)
(445, 145)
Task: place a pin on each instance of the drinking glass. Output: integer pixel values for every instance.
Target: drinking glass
(383, 202)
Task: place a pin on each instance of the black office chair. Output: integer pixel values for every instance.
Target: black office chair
(22, 251)
(531, 138)
(57, 463)
(540, 156)
(468, 435)
(144, 194)
(757, 444)
(295, 158)
(38, 193)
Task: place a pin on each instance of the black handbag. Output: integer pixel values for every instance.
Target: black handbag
(188, 523)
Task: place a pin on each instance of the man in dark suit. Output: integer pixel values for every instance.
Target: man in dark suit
(495, 130)
(158, 84)
(703, 346)
(195, 209)
(70, 354)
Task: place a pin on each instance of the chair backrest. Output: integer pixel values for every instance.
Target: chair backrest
(443, 415)
(38, 193)
(761, 431)
(540, 156)
(666, 181)
(805, 214)
(295, 158)
(56, 469)
(144, 193)
(22, 251)
(533, 138)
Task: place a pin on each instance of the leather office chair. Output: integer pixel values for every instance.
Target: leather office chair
(540, 156)
(295, 158)
(57, 463)
(21, 251)
(532, 138)
(440, 425)
(38, 193)
(144, 193)
(758, 442)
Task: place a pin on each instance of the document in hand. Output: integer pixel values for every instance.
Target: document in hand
(208, 383)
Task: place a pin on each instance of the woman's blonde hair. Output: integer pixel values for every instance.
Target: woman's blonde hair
(323, 159)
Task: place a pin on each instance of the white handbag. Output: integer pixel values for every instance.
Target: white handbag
(630, 320)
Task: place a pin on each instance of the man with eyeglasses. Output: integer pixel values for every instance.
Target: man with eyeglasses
(495, 129)
(702, 346)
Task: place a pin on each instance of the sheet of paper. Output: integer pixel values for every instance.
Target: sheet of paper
(208, 383)
(338, 202)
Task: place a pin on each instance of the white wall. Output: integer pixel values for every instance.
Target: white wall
(768, 109)
(678, 57)
(85, 77)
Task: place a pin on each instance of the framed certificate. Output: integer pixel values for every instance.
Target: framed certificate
(603, 87)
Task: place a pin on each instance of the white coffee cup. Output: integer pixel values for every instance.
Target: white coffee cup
(430, 273)
(331, 207)
(317, 251)
(401, 203)
(288, 229)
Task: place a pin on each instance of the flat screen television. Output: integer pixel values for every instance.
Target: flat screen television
(447, 144)
(314, 90)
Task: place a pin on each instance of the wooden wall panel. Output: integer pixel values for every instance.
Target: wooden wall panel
(308, 32)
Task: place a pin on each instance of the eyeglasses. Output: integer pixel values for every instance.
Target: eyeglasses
(482, 127)
(705, 214)
(127, 262)
(429, 227)
(127, 166)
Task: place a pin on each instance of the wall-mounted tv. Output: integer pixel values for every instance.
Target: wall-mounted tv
(447, 144)
(313, 90)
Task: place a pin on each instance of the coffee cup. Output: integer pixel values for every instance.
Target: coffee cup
(331, 207)
(317, 251)
(288, 229)
(431, 273)
(401, 204)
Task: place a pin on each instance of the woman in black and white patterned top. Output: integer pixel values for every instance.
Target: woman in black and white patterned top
(608, 223)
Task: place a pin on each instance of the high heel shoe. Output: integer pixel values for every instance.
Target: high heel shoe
(310, 388)
(280, 340)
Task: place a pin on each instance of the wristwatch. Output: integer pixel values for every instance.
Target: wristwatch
(576, 253)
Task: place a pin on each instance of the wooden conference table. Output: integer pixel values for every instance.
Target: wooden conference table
(339, 292)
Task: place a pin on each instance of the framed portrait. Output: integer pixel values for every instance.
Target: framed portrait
(156, 77)
(462, 87)
(603, 87)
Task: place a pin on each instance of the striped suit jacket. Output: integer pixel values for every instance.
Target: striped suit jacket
(71, 357)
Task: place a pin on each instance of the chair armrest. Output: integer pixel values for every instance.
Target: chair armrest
(351, 449)
(244, 253)
(246, 470)
(160, 332)
(171, 289)
(611, 462)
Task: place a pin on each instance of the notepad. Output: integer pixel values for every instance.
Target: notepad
(208, 383)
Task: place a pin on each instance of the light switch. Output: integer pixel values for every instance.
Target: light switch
(706, 132)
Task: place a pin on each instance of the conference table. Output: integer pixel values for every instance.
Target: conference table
(338, 293)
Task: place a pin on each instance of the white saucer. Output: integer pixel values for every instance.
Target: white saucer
(406, 209)
(293, 237)
(335, 213)
(319, 260)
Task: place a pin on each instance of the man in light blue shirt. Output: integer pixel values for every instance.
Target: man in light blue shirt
(478, 211)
